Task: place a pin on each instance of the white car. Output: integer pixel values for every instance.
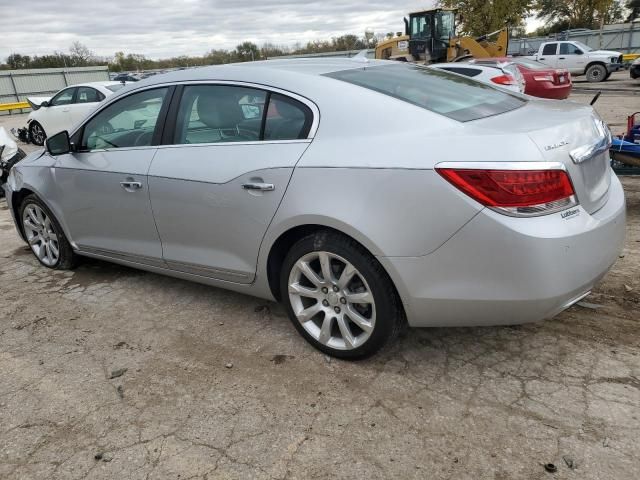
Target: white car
(66, 108)
(505, 74)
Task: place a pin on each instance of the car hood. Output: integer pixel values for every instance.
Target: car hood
(35, 102)
(609, 53)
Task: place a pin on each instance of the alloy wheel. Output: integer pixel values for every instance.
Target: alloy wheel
(37, 134)
(332, 300)
(40, 234)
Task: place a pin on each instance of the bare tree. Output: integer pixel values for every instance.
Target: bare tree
(80, 54)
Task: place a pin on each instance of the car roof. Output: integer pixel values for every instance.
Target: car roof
(96, 84)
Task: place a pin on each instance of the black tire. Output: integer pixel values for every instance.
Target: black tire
(67, 259)
(35, 136)
(390, 317)
(596, 73)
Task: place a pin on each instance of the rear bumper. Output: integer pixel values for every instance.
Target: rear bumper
(499, 270)
(551, 91)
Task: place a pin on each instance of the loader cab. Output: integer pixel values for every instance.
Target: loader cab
(429, 34)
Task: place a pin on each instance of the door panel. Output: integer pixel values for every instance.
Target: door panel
(102, 215)
(208, 222)
(56, 119)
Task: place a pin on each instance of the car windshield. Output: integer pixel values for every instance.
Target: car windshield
(451, 95)
(583, 47)
(114, 88)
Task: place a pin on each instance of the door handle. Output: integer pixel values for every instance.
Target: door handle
(66, 109)
(130, 186)
(263, 187)
(561, 58)
(542, 58)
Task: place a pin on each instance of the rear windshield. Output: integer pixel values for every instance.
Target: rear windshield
(116, 87)
(451, 95)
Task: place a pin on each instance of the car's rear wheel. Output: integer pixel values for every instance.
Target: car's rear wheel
(37, 133)
(339, 297)
(44, 235)
(596, 73)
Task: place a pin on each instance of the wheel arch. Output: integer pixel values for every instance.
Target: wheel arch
(283, 243)
(594, 62)
(16, 201)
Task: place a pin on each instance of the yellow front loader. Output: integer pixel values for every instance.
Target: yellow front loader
(430, 38)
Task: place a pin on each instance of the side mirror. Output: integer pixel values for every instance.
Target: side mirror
(44, 104)
(59, 144)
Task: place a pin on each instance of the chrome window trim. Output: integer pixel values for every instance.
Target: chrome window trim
(503, 165)
(309, 103)
(231, 144)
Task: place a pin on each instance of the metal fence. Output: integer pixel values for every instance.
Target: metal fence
(621, 37)
(17, 85)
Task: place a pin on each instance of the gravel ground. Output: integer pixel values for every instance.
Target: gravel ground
(108, 372)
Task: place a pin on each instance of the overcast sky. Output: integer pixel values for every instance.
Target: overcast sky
(165, 28)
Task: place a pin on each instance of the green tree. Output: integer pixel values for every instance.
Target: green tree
(247, 52)
(485, 16)
(15, 61)
(578, 13)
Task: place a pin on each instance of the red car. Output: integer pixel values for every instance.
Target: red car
(542, 81)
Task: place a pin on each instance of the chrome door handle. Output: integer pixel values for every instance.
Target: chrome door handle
(263, 187)
(131, 185)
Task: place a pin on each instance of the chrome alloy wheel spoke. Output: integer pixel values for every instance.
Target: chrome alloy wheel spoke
(332, 300)
(40, 235)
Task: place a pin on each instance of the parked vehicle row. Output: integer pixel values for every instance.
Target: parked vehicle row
(285, 180)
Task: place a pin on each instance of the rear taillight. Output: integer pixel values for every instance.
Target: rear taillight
(504, 80)
(520, 193)
(543, 78)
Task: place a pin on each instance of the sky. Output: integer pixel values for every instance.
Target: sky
(167, 28)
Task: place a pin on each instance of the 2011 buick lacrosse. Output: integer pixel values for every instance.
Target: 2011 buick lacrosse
(361, 194)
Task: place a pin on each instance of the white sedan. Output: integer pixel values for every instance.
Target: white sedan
(504, 74)
(66, 108)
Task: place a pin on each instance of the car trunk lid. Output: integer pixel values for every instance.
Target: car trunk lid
(560, 131)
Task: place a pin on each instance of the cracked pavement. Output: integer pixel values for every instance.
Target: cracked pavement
(440, 403)
(464, 403)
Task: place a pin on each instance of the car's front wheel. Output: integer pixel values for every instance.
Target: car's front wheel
(339, 297)
(37, 133)
(44, 235)
(596, 73)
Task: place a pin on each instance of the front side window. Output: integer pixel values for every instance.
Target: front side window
(569, 49)
(88, 95)
(550, 49)
(129, 122)
(453, 96)
(65, 97)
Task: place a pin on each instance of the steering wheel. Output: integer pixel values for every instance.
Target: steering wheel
(143, 140)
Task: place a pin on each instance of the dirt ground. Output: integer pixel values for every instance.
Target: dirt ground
(108, 372)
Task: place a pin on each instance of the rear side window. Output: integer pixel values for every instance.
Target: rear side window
(88, 95)
(435, 90)
(225, 113)
(550, 49)
(287, 119)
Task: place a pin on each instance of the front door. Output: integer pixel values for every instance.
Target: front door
(215, 189)
(103, 187)
(57, 116)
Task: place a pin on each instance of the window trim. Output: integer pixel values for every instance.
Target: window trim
(556, 50)
(168, 122)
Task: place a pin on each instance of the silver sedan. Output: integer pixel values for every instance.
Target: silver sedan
(364, 195)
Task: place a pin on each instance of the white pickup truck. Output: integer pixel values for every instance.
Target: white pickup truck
(579, 59)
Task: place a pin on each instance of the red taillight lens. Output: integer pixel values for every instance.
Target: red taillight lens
(516, 192)
(504, 80)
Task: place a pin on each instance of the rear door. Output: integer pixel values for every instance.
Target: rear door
(571, 58)
(217, 183)
(549, 55)
(103, 188)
